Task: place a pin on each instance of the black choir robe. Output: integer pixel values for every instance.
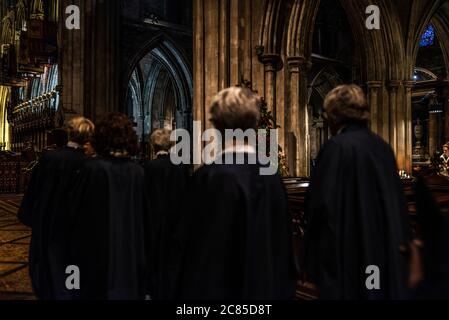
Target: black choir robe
(166, 186)
(238, 237)
(434, 232)
(357, 217)
(108, 233)
(44, 210)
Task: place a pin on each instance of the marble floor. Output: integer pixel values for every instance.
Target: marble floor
(14, 243)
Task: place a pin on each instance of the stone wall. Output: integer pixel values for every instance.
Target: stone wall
(269, 43)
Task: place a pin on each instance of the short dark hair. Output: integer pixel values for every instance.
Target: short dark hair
(347, 104)
(115, 133)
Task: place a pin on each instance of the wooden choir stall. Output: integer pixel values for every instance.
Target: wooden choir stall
(437, 184)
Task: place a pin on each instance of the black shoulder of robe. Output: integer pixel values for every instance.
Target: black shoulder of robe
(44, 209)
(357, 217)
(434, 231)
(166, 184)
(54, 170)
(107, 238)
(237, 236)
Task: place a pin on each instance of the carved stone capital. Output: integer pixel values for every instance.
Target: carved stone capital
(374, 84)
(273, 62)
(409, 84)
(299, 64)
(393, 85)
(373, 87)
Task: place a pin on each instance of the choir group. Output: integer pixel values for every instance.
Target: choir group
(153, 230)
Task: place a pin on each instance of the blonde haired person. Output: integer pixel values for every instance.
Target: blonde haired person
(110, 239)
(356, 210)
(80, 131)
(237, 229)
(235, 108)
(44, 209)
(160, 142)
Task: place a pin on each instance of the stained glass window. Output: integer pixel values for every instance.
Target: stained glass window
(428, 38)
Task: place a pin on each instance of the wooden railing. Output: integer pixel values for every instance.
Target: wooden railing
(14, 172)
(296, 190)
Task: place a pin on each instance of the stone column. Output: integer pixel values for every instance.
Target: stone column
(393, 87)
(272, 64)
(433, 133)
(71, 55)
(299, 153)
(101, 56)
(373, 100)
(434, 128)
(408, 85)
(199, 89)
(88, 59)
(445, 96)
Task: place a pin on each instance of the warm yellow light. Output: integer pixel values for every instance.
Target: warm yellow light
(4, 125)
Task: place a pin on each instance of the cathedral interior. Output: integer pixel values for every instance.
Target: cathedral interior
(161, 62)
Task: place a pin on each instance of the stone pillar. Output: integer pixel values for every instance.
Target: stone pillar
(71, 68)
(272, 64)
(101, 57)
(433, 133)
(299, 155)
(373, 100)
(445, 96)
(393, 87)
(434, 128)
(199, 89)
(408, 85)
(88, 58)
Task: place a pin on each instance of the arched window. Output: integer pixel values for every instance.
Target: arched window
(428, 37)
(160, 91)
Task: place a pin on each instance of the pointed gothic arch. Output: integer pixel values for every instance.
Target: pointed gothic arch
(7, 35)
(161, 81)
(21, 15)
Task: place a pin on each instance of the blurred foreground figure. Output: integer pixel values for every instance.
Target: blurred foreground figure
(356, 209)
(434, 232)
(108, 207)
(166, 184)
(238, 234)
(44, 209)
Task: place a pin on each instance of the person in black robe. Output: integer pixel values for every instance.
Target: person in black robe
(166, 186)
(237, 240)
(57, 139)
(433, 232)
(109, 217)
(44, 209)
(356, 209)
